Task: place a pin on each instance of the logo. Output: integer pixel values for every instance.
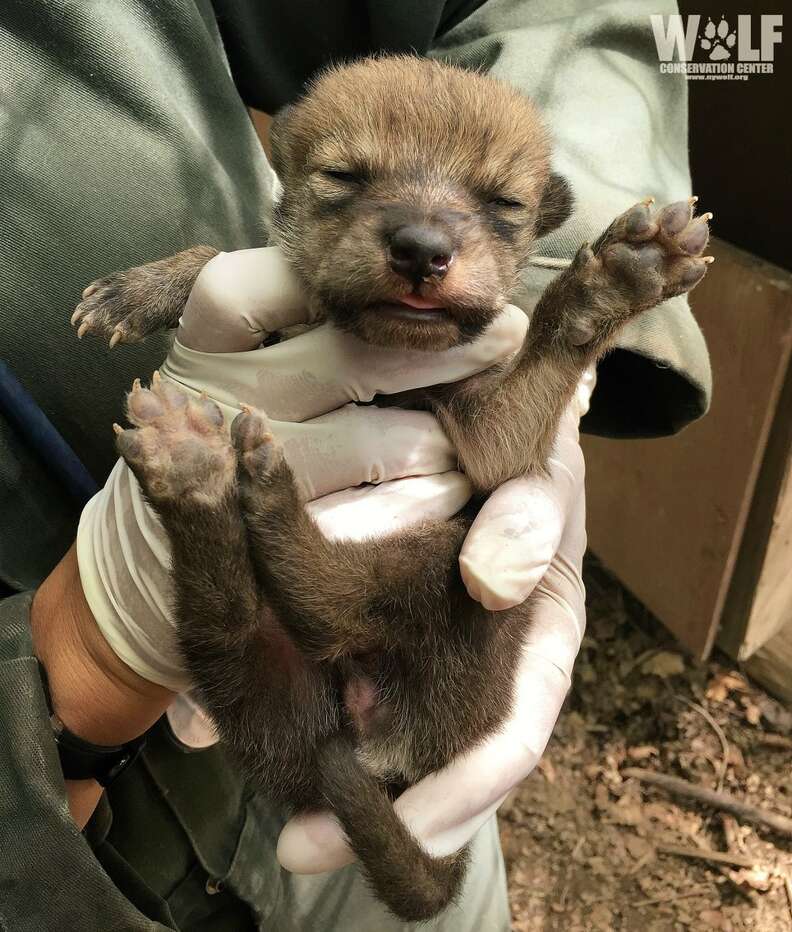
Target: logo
(727, 50)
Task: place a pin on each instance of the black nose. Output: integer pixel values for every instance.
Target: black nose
(419, 250)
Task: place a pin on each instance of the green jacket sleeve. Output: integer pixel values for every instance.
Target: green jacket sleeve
(620, 131)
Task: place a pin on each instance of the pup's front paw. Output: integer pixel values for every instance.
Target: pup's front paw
(119, 308)
(644, 257)
(180, 449)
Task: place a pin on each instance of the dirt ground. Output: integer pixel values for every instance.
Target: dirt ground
(584, 842)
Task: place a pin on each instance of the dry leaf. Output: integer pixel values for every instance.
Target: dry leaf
(642, 752)
(546, 768)
(779, 717)
(664, 664)
(601, 918)
(723, 683)
(637, 847)
(757, 878)
(626, 812)
(753, 714)
(714, 919)
(716, 691)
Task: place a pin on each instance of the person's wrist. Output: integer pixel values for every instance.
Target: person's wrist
(93, 693)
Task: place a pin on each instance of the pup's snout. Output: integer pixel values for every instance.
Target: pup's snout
(418, 251)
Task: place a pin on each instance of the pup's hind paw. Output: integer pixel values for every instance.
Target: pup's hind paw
(257, 450)
(179, 448)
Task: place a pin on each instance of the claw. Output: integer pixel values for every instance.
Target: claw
(708, 259)
(90, 290)
(116, 337)
(693, 200)
(117, 429)
(77, 315)
(136, 386)
(83, 329)
(156, 378)
(648, 201)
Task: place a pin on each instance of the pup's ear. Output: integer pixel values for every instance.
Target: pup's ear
(555, 206)
(279, 137)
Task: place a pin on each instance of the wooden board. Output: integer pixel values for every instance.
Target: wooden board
(760, 596)
(772, 605)
(771, 665)
(667, 515)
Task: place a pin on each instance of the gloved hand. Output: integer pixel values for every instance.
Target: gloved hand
(531, 531)
(308, 386)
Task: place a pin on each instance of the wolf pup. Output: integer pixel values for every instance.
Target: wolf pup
(338, 672)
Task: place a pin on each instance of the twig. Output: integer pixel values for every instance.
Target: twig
(641, 658)
(775, 741)
(788, 888)
(725, 870)
(705, 854)
(723, 801)
(731, 832)
(718, 731)
(698, 891)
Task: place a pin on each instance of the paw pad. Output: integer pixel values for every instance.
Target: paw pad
(644, 257)
(179, 446)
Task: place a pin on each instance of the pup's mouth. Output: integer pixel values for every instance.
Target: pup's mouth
(413, 307)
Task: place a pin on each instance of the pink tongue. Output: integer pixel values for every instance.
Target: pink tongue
(422, 304)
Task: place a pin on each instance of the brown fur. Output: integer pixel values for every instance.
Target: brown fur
(334, 670)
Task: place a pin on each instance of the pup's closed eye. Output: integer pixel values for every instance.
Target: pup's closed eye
(343, 175)
(507, 202)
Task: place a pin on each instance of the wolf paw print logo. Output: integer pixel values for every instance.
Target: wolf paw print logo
(734, 49)
(718, 41)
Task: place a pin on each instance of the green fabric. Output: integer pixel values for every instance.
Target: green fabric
(123, 140)
(49, 878)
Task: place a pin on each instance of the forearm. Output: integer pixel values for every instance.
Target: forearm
(94, 693)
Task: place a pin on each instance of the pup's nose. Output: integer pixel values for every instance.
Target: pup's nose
(419, 250)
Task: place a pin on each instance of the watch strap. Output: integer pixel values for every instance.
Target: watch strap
(83, 760)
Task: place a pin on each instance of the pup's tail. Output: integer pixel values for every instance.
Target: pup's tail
(411, 883)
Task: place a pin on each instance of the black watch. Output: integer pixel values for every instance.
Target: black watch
(82, 760)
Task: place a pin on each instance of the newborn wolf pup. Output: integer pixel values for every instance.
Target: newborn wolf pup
(340, 672)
